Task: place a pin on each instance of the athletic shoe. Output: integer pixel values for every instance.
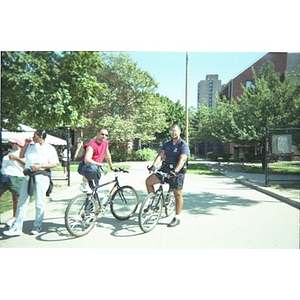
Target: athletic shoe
(13, 232)
(85, 188)
(36, 230)
(174, 222)
(10, 222)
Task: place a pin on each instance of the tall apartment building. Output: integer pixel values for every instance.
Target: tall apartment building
(207, 90)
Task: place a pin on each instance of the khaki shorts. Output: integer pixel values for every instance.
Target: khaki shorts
(13, 184)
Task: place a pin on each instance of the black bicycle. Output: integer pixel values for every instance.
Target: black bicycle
(84, 209)
(152, 208)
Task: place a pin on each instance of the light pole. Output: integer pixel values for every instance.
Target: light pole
(186, 99)
(68, 151)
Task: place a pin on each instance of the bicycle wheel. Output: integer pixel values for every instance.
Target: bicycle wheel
(150, 212)
(124, 202)
(169, 205)
(81, 214)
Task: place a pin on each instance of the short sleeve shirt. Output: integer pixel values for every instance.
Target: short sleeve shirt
(40, 155)
(99, 150)
(10, 166)
(173, 151)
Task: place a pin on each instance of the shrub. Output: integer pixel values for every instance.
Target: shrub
(145, 154)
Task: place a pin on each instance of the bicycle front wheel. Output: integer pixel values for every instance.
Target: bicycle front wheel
(80, 215)
(150, 212)
(170, 205)
(124, 202)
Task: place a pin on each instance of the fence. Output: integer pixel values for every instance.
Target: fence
(282, 156)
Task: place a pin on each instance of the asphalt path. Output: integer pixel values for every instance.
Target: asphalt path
(218, 213)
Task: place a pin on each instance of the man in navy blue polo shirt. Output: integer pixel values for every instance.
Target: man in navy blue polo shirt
(173, 156)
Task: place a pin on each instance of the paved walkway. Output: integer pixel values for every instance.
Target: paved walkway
(219, 213)
(255, 181)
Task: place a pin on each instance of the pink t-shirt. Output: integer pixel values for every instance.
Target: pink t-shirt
(99, 150)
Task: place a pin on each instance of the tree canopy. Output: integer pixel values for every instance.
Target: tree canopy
(45, 89)
(86, 90)
(271, 102)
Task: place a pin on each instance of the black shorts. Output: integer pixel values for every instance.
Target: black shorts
(176, 183)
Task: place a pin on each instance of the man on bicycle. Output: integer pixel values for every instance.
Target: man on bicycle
(94, 153)
(173, 156)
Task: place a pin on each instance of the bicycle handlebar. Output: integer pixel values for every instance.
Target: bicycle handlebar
(121, 170)
(156, 171)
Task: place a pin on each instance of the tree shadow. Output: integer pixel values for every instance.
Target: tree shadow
(202, 203)
(206, 202)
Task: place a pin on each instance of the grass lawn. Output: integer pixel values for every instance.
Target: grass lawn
(6, 202)
(201, 169)
(276, 168)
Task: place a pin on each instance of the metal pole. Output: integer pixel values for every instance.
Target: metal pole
(186, 99)
(68, 151)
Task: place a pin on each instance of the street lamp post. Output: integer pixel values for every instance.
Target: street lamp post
(186, 99)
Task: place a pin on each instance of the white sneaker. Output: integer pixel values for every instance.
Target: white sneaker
(85, 188)
(13, 232)
(36, 230)
(10, 222)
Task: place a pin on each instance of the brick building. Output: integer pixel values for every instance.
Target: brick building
(233, 88)
(283, 63)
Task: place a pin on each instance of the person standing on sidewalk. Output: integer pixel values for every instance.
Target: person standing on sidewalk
(40, 157)
(94, 153)
(11, 175)
(173, 156)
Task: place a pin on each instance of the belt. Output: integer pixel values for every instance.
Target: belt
(171, 166)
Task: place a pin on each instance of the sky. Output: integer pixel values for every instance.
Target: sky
(169, 69)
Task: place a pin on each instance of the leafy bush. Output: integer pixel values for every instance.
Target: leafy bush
(145, 154)
(119, 155)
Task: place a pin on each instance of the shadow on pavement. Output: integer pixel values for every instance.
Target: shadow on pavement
(206, 202)
(203, 203)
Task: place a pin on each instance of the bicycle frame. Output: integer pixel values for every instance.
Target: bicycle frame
(160, 191)
(82, 211)
(115, 186)
(151, 209)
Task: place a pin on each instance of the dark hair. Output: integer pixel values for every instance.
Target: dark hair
(42, 133)
(176, 125)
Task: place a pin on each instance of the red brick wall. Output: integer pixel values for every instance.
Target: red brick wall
(279, 60)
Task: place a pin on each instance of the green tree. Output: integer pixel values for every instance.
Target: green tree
(45, 89)
(272, 102)
(129, 108)
(173, 113)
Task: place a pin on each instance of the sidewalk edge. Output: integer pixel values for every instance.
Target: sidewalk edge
(269, 192)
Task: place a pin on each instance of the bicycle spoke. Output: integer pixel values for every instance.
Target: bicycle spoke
(80, 215)
(124, 203)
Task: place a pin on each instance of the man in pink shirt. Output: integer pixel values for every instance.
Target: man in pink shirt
(94, 153)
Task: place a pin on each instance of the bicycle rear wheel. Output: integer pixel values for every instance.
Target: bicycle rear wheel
(124, 202)
(80, 215)
(150, 212)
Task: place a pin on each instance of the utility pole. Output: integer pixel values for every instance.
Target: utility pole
(186, 99)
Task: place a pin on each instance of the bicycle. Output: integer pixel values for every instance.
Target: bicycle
(151, 208)
(84, 209)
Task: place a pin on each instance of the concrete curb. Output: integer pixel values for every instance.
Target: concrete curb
(293, 201)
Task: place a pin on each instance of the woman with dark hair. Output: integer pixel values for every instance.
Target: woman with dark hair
(40, 157)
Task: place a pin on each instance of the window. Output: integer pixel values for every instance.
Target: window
(250, 84)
